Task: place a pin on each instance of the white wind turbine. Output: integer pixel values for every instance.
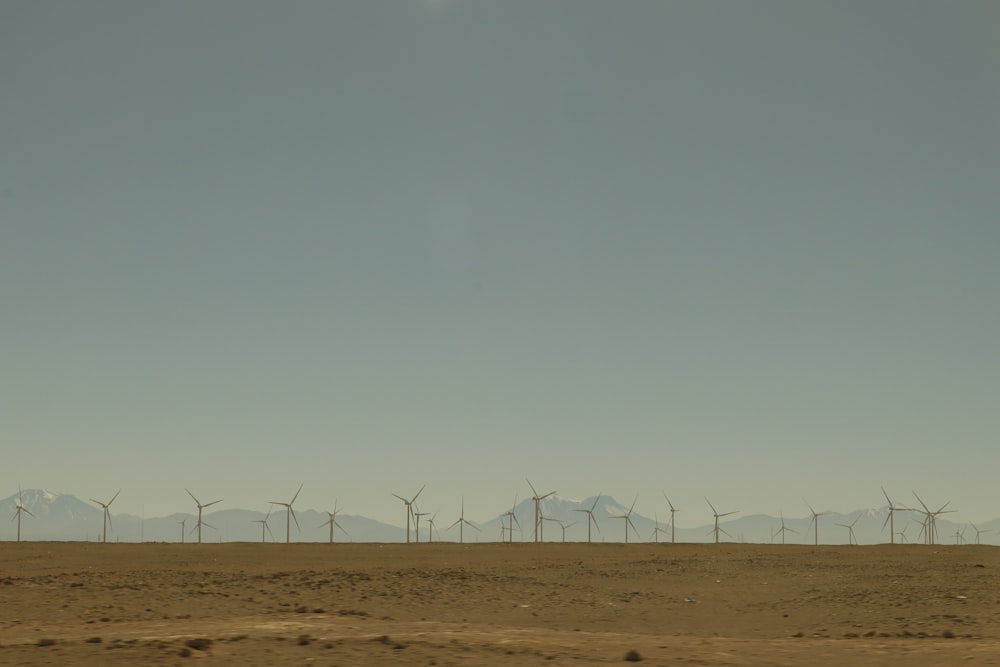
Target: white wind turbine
(416, 517)
(929, 530)
(200, 508)
(815, 519)
(513, 520)
(107, 514)
(332, 521)
(538, 506)
(628, 520)
(564, 526)
(979, 532)
(784, 529)
(718, 516)
(656, 529)
(672, 512)
(409, 509)
(289, 514)
(20, 509)
(889, 519)
(591, 520)
(264, 526)
(430, 527)
(461, 522)
(850, 527)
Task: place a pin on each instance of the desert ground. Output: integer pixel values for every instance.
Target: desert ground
(498, 604)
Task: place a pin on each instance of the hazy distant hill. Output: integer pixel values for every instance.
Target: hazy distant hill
(66, 517)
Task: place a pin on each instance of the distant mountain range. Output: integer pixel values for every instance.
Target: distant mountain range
(64, 517)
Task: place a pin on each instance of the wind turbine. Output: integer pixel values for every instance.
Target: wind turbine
(850, 527)
(538, 506)
(430, 525)
(409, 509)
(889, 519)
(181, 524)
(628, 520)
(333, 522)
(416, 516)
(107, 514)
(815, 520)
(461, 522)
(979, 532)
(672, 512)
(656, 529)
(17, 513)
(290, 513)
(200, 508)
(785, 529)
(564, 526)
(902, 533)
(513, 520)
(930, 519)
(264, 526)
(718, 516)
(591, 520)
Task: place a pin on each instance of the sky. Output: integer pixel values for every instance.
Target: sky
(745, 251)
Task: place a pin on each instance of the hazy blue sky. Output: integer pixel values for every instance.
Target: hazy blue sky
(748, 250)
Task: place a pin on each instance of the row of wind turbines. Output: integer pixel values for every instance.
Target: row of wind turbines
(928, 530)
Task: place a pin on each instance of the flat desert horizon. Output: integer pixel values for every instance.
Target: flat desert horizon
(498, 604)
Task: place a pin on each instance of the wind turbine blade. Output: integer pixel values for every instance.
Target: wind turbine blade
(550, 493)
(269, 531)
(213, 502)
(25, 509)
(292, 512)
(402, 498)
(532, 487)
(886, 497)
(921, 502)
(205, 523)
(196, 501)
(296, 494)
(711, 505)
(114, 496)
(633, 505)
(110, 525)
(419, 492)
(457, 521)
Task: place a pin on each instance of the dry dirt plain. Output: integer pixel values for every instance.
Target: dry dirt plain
(497, 604)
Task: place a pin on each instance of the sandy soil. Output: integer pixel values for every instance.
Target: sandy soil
(521, 604)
